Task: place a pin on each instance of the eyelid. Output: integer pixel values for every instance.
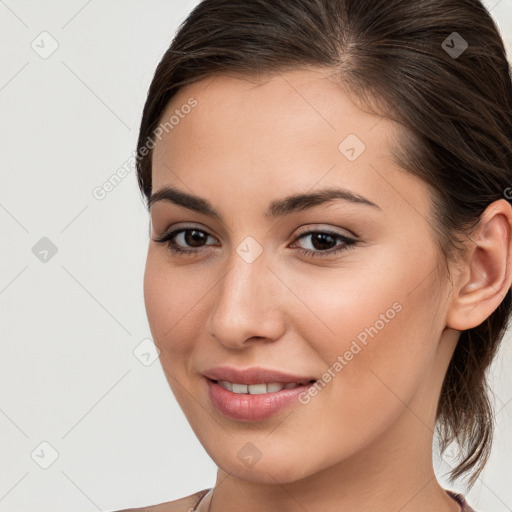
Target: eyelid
(185, 226)
(348, 241)
(308, 228)
(305, 228)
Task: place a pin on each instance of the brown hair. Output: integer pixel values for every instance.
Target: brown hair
(455, 105)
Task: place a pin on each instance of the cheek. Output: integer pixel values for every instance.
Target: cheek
(375, 332)
(160, 295)
(172, 298)
(169, 302)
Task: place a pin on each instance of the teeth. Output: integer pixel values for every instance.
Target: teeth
(256, 389)
(225, 384)
(239, 388)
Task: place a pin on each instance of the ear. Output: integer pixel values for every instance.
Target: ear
(485, 275)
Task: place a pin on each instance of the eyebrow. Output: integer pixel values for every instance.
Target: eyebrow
(277, 208)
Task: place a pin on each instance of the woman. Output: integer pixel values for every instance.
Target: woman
(328, 276)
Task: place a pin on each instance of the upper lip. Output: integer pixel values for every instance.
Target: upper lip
(254, 375)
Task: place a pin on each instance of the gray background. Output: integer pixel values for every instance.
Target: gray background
(73, 371)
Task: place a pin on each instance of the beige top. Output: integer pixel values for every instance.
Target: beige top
(200, 502)
(203, 503)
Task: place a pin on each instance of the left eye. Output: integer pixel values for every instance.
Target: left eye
(326, 237)
(195, 237)
(319, 240)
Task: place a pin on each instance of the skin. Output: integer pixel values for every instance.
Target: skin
(364, 441)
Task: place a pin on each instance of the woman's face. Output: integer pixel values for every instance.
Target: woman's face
(367, 322)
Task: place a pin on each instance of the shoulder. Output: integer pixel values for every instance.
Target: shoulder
(185, 504)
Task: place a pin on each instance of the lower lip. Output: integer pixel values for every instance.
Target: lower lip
(246, 407)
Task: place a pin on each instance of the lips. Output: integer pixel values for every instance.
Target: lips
(239, 395)
(247, 407)
(255, 389)
(255, 375)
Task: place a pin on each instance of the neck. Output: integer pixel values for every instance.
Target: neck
(402, 479)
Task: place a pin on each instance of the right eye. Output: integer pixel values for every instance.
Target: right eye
(189, 235)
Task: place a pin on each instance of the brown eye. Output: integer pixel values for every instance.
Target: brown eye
(184, 240)
(194, 237)
(324, 243)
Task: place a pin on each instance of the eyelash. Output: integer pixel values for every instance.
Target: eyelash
(348, 243)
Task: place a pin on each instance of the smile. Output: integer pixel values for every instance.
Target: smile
(254, 402)
(258, 389)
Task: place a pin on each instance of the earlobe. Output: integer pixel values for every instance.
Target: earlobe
(486, 274)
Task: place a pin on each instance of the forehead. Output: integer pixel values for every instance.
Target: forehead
(287, 130)
(299, 108)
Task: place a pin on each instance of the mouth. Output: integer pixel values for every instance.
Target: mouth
(260, 389)
(254, 402)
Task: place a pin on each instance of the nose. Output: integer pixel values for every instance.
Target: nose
(248, 304)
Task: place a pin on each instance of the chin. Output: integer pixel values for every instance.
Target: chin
(270, 470)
